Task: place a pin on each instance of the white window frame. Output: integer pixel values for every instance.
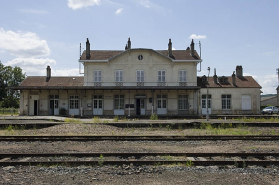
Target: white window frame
(97, 75)
(161, 76)
(182, 102)
(182, 76)
(140, 75)
(118, 75)
(119, 101)
(226, 101)
(74, 102)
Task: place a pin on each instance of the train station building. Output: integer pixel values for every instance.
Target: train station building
(139, 81)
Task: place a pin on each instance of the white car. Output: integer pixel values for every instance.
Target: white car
(270, 110)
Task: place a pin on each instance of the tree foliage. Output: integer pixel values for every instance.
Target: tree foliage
(10, 76)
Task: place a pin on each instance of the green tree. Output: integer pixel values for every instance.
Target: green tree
(10, 76)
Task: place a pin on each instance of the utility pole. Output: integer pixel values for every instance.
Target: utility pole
(207, 113)
(278, 75)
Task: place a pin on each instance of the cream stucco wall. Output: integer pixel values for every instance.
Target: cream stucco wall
(129, 63)
(236, 100)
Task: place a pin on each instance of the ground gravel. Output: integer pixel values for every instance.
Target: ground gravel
(130, 174)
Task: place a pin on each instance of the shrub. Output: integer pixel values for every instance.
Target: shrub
(62, 111)
(154, 116)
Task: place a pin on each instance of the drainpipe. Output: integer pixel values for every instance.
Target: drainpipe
(129, 103)
(81, 106)
(152, 101)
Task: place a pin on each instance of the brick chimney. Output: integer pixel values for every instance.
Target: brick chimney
(233, 79)
(170, 48)
(215, 78)
(192, 48)
(87, 49)
(239, 71)
(48, 73)
(129, 43)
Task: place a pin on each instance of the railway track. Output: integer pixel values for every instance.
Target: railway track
(97, 158)
(138, 138)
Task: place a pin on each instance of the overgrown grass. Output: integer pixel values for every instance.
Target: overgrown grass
(96, 119)
(154, 116)
(101, 161)
(116, 118)
(16, 127)
(168, 158)
(229, 129)
(261, 120)
(72, 120)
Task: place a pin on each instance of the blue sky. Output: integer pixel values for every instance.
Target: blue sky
(37, 33)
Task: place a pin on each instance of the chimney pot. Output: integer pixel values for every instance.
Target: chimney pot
(170, 48)
(215, 78)
(192, 48)
(48, 73)
(88, 49)
(239, 71)
(233, 78)
(129, 43)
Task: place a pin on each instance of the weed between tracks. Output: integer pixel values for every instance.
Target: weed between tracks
(256, 120)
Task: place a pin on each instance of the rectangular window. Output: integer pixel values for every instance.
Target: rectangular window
(119, 102)
(74, 102)
(161, 101)
(97, 76)
(119, 76)
(226, 101)
(182, 102)
(161, 76)
(140, 75)
(182, 76)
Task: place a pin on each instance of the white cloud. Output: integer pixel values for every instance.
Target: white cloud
(77, 4)
(145, 3)
(119, 11)
(34, 11)
(269, 53)
(32, 66)
(23, 44)
(194, 36)
(65, 72)
(37, 67)
(31, 62)
(269, 83)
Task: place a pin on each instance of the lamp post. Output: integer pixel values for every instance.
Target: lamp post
(207, 113)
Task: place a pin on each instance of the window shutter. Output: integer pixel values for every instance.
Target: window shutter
(121, 76)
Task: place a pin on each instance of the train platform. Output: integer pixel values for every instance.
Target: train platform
(133, 122)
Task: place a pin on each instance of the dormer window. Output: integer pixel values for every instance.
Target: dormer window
(223, 79)
(204, 79)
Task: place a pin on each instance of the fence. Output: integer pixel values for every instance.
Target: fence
(8, 111)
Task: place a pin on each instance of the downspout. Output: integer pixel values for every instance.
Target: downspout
(129, 103)
(152, 101)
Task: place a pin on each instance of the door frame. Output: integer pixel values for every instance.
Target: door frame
(204, 104)
(162, 98)
(98, 110)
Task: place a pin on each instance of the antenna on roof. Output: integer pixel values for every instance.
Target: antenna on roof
(200, 48)
(80, 50)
